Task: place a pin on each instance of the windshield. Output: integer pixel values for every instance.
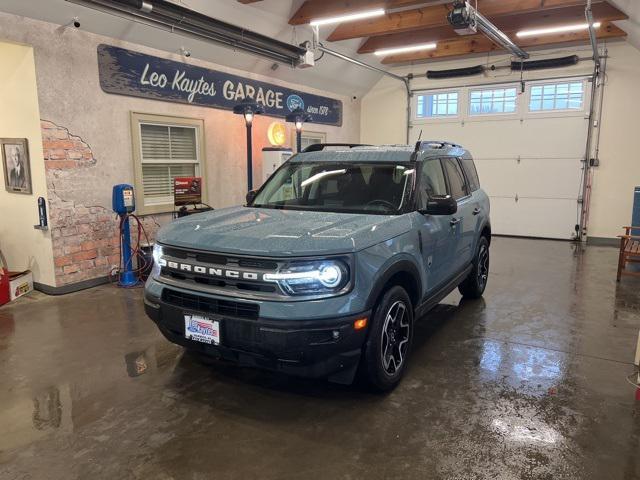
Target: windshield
(376, 188)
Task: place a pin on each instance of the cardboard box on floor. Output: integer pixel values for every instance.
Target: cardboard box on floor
(13, 284)
(20, 283)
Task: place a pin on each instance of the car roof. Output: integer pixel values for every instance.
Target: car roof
(383, 153)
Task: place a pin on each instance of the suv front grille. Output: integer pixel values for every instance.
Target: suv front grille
(211, 305)
(190, 278)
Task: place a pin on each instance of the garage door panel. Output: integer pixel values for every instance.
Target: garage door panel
(493, 139)
(529, 164)
(495, 174)
(546, 218)
(549, 178)
(555, 137)
(533, 217)
(504, 216)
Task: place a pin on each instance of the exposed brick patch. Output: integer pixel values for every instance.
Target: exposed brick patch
(86, 241)
(62, 150)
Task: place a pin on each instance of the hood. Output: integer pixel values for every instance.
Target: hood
(269, 232)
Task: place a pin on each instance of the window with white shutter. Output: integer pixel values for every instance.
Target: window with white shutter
(165, 148)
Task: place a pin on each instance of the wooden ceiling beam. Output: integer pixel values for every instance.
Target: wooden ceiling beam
(602, 12)
(480, 44)
(313, 9)
(436, 16)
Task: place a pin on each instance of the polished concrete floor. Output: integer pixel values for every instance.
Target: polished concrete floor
(528, 383)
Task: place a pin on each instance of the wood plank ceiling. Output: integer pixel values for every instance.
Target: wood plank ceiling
(414, 22)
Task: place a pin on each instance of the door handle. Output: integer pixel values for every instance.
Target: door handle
(454, 221)
(477, 210)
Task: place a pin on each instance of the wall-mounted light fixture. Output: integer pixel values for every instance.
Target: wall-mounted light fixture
(299, 117)
(248, 110)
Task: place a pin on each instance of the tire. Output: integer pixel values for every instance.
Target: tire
(474, 285)
(383, 371)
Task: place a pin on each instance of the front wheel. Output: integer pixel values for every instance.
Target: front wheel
(389, 343)
(473, 286)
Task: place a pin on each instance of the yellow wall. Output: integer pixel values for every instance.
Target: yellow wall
(23, 246)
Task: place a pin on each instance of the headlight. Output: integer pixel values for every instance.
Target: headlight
(158, 261)
(311, 277)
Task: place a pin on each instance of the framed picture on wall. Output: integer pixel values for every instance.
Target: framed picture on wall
(16, 165)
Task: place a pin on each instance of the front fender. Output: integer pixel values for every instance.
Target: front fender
(402, 262)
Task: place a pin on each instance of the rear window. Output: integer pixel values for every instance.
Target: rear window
(471, 172)
(457, 183)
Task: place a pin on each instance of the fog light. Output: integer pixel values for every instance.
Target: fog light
(360, 324)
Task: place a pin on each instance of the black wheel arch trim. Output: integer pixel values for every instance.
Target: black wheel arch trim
(402, 263)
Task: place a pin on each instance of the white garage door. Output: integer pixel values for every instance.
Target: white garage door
(528, 148)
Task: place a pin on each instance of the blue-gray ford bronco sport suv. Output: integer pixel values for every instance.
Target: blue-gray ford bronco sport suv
(324, 270)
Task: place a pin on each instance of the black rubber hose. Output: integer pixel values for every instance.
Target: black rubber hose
(455, 72)
(546, 63)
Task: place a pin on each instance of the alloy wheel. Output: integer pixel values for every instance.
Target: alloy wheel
(483, 266)
(395, 337)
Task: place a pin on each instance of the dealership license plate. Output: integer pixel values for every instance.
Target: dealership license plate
(201, 329)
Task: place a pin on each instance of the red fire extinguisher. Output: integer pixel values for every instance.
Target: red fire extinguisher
(4, 280)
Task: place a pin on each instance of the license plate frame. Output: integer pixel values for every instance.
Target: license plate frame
(202, 328)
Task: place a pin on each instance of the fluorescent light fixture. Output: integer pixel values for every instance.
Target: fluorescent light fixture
(551, 30)
(412, 48)
(348, 18)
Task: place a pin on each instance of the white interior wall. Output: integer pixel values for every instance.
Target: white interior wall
(22, 245)
(383, 120)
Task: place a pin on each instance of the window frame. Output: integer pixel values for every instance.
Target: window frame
(436, 118)
(307, 133)
(481, 88)
(569, 111)
(137, 120)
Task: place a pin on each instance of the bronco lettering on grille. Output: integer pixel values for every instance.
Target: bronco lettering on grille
(214, 271)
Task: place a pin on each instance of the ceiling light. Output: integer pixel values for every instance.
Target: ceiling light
(412, 48)
(348, 18)
(563, 29)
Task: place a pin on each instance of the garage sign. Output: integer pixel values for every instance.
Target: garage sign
(125, 72)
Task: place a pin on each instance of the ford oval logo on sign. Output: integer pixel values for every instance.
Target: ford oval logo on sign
(294, 102)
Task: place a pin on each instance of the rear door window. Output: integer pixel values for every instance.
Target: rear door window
(457, 182)
(472, 174)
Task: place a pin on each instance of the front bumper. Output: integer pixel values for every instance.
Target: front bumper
(309, 348)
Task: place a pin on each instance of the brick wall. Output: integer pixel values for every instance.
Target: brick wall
(85, 237)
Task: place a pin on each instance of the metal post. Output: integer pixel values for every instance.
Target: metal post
(249, 158)
(127, 276)
(299, 139)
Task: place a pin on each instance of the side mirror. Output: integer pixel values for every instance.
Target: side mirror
(251, 195)
(440, 206)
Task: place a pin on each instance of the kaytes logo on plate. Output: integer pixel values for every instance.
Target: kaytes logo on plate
(294, 102)
(202, 328)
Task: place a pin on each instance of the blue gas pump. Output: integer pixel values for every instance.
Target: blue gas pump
(124, 204)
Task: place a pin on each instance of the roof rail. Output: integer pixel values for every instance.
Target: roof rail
(317, 147)
(435, 144)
